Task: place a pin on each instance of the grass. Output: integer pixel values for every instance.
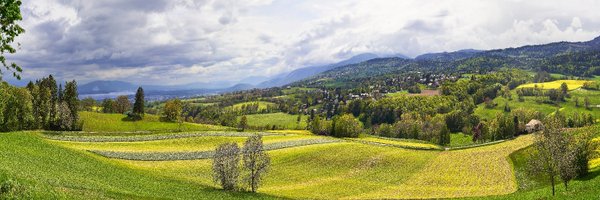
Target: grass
(281, 120)
(409, 144)
(194, 155)
(460, 139)
(325, 171)
(261, 104)
(153, 137)
(571, 84)
(587, 187)
(355, 170)
(48, 171)
(529, 103)
(395, 94)
(100, 122)
(174, 145)
(67, 170)
(478, 171)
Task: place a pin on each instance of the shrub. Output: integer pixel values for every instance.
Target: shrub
(346, 126)
(226, 166)
(172, 110)
(386, 130)
(11, 189)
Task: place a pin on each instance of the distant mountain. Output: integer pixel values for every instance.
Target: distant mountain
(306, 72)
(569, 58)
(446, 56)
(98, 87)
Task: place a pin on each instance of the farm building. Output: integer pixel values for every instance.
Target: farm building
(533, 126)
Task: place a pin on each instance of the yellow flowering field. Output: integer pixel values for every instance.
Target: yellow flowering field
(471, 172)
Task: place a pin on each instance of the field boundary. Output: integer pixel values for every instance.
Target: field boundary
(394, 145)
(196, 155)
(142, 138)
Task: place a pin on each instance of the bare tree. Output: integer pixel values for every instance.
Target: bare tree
(226, 165)
(256, 161)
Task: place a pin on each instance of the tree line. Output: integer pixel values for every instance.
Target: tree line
(40, 105)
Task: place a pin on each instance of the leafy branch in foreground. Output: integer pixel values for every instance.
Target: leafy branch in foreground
(10, 13)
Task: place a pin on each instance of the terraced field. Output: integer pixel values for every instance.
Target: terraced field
(100, 122)
(308, 166)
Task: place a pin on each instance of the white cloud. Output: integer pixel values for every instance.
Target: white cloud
(185, 41)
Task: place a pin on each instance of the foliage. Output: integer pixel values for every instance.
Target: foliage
(243, 123)
(122, 104)
(172, 110)
(10, 13)
(346, 126)
(16, 108)
(50, 171)
(552, 156)
(138, 105)
(225, 166)
(255, 161)
(119, 124)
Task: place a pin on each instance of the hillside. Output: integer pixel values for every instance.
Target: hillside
(569, 58)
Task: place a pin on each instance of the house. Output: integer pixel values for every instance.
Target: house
(533, 126)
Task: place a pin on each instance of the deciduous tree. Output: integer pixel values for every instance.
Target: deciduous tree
(225, 166)
(10, 13)
(255, 161)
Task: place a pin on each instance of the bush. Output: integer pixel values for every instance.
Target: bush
(172, 110)
(346, 126)
(386, 130)
(11, 189)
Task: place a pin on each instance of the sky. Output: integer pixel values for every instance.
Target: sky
(171, 42)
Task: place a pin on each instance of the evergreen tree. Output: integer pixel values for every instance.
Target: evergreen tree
(138, 105)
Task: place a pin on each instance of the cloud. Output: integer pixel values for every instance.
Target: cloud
(184, 41)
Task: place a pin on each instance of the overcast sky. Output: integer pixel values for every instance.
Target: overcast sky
(182, 41)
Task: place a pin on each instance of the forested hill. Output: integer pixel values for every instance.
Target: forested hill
(569, 58)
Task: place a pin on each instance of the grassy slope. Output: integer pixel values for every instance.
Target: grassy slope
(460, 139)
(529, 103)
(100, 122)
(571, 84)
(471, 172)
(539, 188)
(326, 171)
(51, 172)
(261, 104)
(173, 145)
(279, 119)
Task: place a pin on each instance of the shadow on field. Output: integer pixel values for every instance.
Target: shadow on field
(593, 174)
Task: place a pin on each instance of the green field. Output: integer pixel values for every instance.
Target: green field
(529, 103)
(281, 120)
(367, 167)
(100, 122)
(48, 171)
(460, 139)
(261, 104)
(571, 84)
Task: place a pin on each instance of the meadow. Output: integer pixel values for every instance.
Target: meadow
(571, 84)
(261, 104)
(280, 120)
(334, 169)
(100, 122)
